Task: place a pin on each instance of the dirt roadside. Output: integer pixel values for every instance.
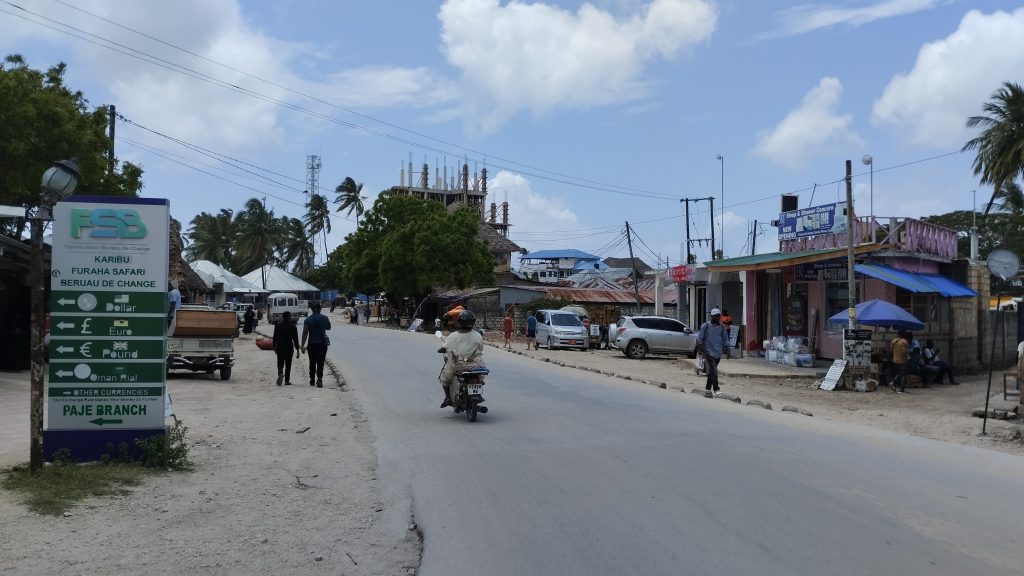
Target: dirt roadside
(940, 412)
(284, 483)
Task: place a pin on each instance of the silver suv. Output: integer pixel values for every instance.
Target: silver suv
(560, 329)
(637, 336)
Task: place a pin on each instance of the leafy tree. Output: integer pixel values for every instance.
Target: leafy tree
(1000, 146)
(318, 218)
(211, 237)
(349, 198)
(407, 246)
(42, 120)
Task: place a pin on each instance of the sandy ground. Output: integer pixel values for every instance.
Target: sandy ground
(940, 412)
(285, 478)
(284, 483)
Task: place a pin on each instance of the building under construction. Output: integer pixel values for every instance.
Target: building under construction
(460, 190)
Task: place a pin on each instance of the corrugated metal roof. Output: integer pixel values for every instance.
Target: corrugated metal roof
(552, 254)
(588, 296)
(783, 259)
(233, 284)
(915, 282)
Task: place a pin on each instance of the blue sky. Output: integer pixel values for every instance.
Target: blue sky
(587, 115)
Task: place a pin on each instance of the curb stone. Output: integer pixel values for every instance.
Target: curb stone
(703, 393)
(790, 408)
(729, 397)
(761, 403)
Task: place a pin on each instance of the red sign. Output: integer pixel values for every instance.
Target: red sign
(681, 273)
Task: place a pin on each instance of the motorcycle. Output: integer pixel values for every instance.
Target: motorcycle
(471, 383)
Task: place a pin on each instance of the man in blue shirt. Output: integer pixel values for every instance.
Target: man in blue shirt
(314, 331)
(712, 341)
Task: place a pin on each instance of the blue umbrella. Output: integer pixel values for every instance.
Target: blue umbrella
(880, 313)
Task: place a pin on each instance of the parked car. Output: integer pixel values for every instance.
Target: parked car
(560, 329)
(637, 336)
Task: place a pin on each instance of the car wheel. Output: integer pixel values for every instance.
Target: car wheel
(636, 349)
(692, 354)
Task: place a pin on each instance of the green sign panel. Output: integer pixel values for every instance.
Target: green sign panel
(108, 313)
(120, 302)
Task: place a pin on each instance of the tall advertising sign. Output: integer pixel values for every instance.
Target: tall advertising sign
(813, 221)
(108, 304)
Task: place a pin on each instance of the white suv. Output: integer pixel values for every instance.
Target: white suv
(560, 329)
(638, 335)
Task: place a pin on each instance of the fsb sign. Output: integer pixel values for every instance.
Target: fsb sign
(107, 223)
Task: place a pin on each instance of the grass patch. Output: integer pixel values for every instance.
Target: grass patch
(63, 484)
(60, 486)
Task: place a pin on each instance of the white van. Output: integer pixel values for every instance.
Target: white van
(560, 329)
(280, 302)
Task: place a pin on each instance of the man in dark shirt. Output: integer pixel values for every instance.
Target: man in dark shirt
(286, 341)
(314, 332)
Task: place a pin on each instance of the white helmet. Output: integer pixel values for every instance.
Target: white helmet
(716, 312)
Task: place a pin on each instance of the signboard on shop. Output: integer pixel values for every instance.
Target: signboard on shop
(108, 302)
(813, 221)
(827, 270)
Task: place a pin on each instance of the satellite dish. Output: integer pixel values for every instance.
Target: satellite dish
(1003, 263)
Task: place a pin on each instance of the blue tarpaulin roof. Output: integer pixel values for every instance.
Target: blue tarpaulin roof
(915, 282)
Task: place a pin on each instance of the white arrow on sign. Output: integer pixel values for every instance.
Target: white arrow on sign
(65, 349)
(65, 325)
(65, 302)
(64, 373)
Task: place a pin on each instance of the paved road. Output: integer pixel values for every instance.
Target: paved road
(573, 473)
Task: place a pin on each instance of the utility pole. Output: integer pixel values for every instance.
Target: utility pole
(632, 261)
(712, 200)
(689, 241)
(110, 151)
(689, 257)
(753, 241)
(851, 286)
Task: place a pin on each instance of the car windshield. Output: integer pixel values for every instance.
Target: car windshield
(565, 320)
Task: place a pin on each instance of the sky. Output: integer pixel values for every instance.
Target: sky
(587, 115)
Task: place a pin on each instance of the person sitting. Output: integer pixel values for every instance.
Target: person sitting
(463, 351)
(915, 366)
(935, 365)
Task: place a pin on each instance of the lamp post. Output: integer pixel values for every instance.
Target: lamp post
(721, 160)
(870, 162)
(59, 181)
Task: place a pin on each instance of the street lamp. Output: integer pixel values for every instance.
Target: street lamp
(721, 160)
(59, 181)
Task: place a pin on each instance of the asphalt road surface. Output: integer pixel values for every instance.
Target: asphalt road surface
(574, 473)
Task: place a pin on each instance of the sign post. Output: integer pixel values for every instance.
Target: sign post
(108, 302)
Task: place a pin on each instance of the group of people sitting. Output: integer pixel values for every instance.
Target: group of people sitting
(907, 358)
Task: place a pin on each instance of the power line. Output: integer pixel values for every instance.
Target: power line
(168, 65)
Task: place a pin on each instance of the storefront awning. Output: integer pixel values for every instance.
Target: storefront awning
(915, 282)
(784, 259)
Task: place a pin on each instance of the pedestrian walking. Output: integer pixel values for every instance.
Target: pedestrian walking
(531, 330)
(366, 313)
(286, 342)
(249, 320)
(712, 342)
(315, 342)
(506, 327)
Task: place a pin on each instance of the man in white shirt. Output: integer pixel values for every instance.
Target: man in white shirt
(464, 350)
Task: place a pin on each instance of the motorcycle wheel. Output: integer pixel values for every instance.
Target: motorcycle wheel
(471, 411)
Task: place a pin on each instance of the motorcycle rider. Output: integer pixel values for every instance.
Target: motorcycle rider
(464, 350)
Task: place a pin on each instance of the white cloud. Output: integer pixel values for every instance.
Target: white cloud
(810, 128)
(810, 17)
(198, 111)
(952, 78)
(537, 57)
(532, 214)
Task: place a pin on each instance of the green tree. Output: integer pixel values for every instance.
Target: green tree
(349, 198)
(258, 234)
(211, 237)
(42, 120)
(318, 218)
(1000, 146)
(407, 247)
(294, 246)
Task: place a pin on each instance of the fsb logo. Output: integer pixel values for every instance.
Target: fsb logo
(107, 223)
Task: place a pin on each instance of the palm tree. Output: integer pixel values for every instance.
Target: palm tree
(295, 245)
(210, 238)
(318, 218)
(1000, 147)
(1008, 199)
(349, 198)
(257, 235)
